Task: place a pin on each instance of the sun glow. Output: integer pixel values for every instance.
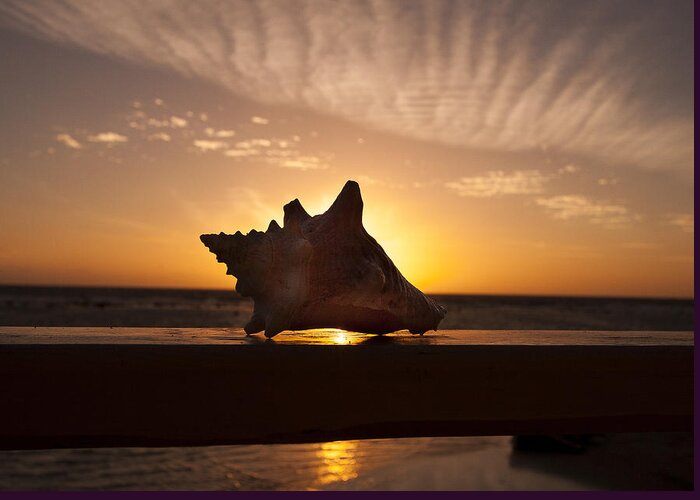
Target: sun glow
(401, 231)
(339, 336)
(545, 184)
(339, 462)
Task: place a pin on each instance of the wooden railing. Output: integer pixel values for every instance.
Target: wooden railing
(94, 387)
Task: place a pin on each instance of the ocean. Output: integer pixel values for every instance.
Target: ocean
(81, 306)
(619, 461)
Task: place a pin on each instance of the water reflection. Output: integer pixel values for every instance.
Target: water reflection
(658, 461)
(338, 462)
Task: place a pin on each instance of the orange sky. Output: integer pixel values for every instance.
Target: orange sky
(517, 173)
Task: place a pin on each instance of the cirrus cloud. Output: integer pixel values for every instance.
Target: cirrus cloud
(603, 79)
(567, 207)
(499, 183)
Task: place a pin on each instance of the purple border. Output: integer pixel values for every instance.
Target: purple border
(396, 495)
(299, 494)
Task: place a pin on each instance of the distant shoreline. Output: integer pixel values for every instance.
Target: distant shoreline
(22, 305)
(515, 296)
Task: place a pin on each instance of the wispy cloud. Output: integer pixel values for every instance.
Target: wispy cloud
(68, 141)
(140, 120)
(259, 120)
(304, 163)
(160, 136)
(686, 222)
(222, 134)
(108, 138)
(206, 145)
(568, 169)
(499, 183)
(583, 78)
(177, 122)
(567, 207)
(149, 121)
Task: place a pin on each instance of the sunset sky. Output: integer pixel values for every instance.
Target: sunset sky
(525, 147)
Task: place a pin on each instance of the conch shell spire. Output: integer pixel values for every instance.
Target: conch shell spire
(322, 271)
(347, 207)
(294, 213)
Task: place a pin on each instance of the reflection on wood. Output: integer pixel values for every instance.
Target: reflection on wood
(334, 336)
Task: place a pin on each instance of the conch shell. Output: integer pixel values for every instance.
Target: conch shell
(324, 271)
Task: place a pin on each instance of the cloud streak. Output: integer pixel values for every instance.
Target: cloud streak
(588, 78)
(108, 138)
(194, 137)
(69, 141)
(566, 207)
(499, 183)
(686, 222)
(259, 120)
(160, 136)
(222, 134)
(207, 145)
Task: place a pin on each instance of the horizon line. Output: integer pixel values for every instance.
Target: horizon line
(444, 294)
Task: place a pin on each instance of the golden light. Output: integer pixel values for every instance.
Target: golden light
(338, 462)
(338, 336)
(411, 244)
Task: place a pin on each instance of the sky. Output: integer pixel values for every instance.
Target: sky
(524, 147)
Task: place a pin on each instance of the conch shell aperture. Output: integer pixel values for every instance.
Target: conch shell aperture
(324, 271)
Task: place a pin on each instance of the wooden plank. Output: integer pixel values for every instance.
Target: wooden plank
(75, 387)
(332, 336)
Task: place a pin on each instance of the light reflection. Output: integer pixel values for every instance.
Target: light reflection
(339, 336)
(325, 336)
(338, 462)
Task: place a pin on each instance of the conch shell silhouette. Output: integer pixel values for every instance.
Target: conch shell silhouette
(324, 271)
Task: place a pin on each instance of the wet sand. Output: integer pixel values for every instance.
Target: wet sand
(617, 462)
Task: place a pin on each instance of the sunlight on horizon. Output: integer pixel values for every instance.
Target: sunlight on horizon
(340, 336)
(505, 150)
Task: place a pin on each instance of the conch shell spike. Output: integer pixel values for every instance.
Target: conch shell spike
(294, 213)
(273, 227)
(347, 207)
